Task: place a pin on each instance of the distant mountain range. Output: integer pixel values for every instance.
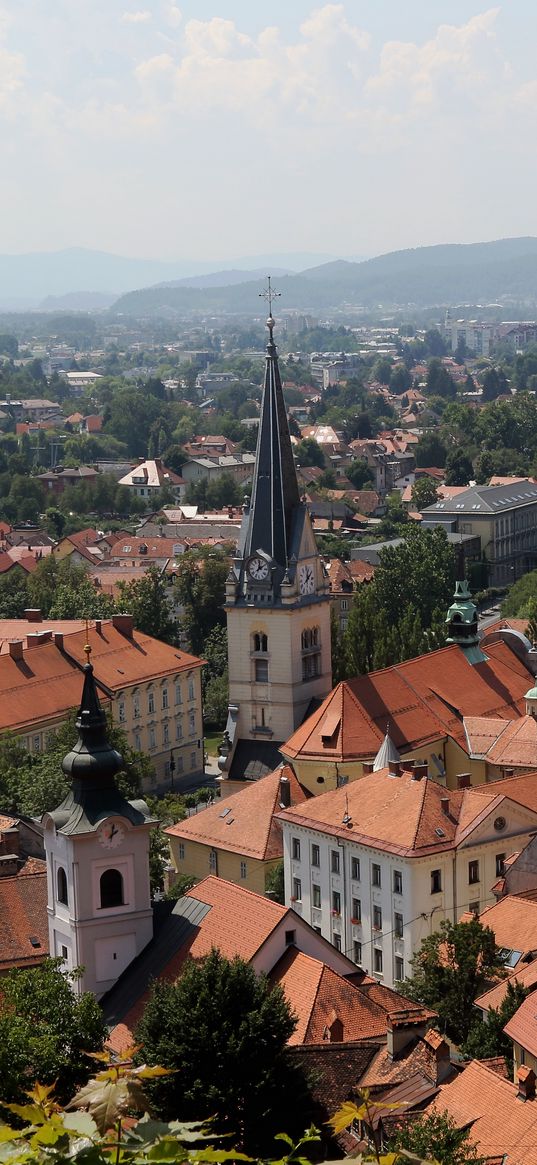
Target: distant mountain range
(448, 274)
(28, 280)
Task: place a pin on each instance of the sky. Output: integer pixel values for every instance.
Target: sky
(213, 130)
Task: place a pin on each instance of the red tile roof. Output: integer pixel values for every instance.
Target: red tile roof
(424, 699)
(23, 917)
(244, 823)
(522, 1027)
(319, 996)
(120, 660)
(403, 815)
(503, 1127)
(514, 921)
(511, 743)
(526, 976)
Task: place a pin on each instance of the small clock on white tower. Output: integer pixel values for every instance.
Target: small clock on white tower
(306, 579)
(111, 835)
(258, 569)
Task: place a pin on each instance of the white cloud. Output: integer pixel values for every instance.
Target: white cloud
(136, 17)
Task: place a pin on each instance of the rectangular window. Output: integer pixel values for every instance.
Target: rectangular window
(290, 937)
(397, 882)
(436, 881)
(178, 730)
(336, 939)
(192, 723)
(377, 961)
(64, 952)
(316, 896)
(377, 918)
(296, 849)
(473, 907)
(136, 707)
(37, 744)
(315, 855)
(356, 914)
(357, 952)
(213, 861)
(137, 742)
(473, 872)
(344, 604)
(192, 760)
(165, 734)
(151, 703)
(398, 925)
(178, 694)
(243, 869)
(297, 890)
(399, 968)
(180, 764)
(121, 711)
(336, 902)
(500, 865)
(375, 875)
(334, 861)
(191, 689)
(164, 697)
(181, 851)
(261, 671)
(355, 869)
(152, 740)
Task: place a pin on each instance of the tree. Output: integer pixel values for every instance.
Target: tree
(459, 468)
(450, 970)
(494, 384)
(275, 884)
(487, 1039)
(46, 1031)
(360, 474)
(308, 452)
(146, 599)
(439, 382)
(79, 599)
(424, 493)
(439, 1136)
(201, 590)
(521, 600)
(224, 1030)
(430, 451)
(434, 342)
(400, 380)
(13, 594)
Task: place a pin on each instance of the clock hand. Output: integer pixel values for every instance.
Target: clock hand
(113, 831)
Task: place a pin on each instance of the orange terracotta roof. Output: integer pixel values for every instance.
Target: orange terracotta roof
(425, 699)
(503, 1127)
(120, 661)
(526, 976)
(521, 788)
(244, 823)
(15, 629)
(500, 742)
(419, 1056)
(155, 547)
(514, 921)
(397, 813)
(522, 1027)
(7, 822)
(41, 687)
(23, 917)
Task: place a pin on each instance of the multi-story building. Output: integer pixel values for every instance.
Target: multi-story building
(505, 519)
(153, 690)
(376, 865)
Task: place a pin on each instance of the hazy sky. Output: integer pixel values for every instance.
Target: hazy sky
(217, 129)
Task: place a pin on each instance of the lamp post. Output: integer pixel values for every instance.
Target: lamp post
(172, 769)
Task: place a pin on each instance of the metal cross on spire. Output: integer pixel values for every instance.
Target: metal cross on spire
(269, 295)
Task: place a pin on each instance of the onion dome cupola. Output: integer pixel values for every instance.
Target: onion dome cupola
(461, 618)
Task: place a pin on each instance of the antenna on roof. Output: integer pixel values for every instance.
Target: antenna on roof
(347, 819)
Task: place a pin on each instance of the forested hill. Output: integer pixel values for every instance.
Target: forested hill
(472, 273)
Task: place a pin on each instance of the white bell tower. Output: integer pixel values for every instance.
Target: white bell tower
(97, 852)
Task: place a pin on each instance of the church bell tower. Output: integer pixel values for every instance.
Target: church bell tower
(97, 853)
(277, 600)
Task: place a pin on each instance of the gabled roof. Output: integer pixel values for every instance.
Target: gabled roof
(121, 660)
(483, 499)
(522, 1027)
(319, 996)
(514, 922)
(424, 699)
(503, 1127)
(244, 823)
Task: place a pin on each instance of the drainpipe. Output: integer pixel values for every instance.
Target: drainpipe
(344, 929)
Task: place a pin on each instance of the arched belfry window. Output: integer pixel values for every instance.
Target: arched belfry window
(111, 887)
(260, 642)
(61, 886)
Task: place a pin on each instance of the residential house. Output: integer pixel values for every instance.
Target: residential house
(148, 477)
(240, 466)
(374, 862)
(56, 481)
(501, 1116)
(237, 839)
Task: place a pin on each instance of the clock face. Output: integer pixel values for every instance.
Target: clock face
(306, 580)
(258, 569)
(111, 835)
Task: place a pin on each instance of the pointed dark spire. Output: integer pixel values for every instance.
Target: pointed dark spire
(92, 757)
(275, 488)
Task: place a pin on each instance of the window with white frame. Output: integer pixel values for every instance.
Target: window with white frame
(178, 730)
(316, 896)
(399, 968)
(376, 876)
(355, 869)
(315, 855)
(166, 733)
(334, 861)
(191, 689)
(192, 723)
(137, 742)
(151, 703)
(152, 738)
(164, 698)
(121, 712)
(397, 882)
(295, 845)
(377, 918)
(398, 925)
(178, 693)
(297, 890)
(377, 961)
(136, 706)
(336, 939)
(356, 911)
(357, 952)
(336, 902)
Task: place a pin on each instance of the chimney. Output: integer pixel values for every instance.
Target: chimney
(16, 649)
(33, 615)
(58, 639)
(464, 780)
(9, 865)
(367, 767)
(440, 1051)
(395, 768)
(444, 802)
(36, 638)
(525, 1079)
(285, 793)
(403, 1027)
(509, 773)
(98, 626)
(124, 624)
(421, 770)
